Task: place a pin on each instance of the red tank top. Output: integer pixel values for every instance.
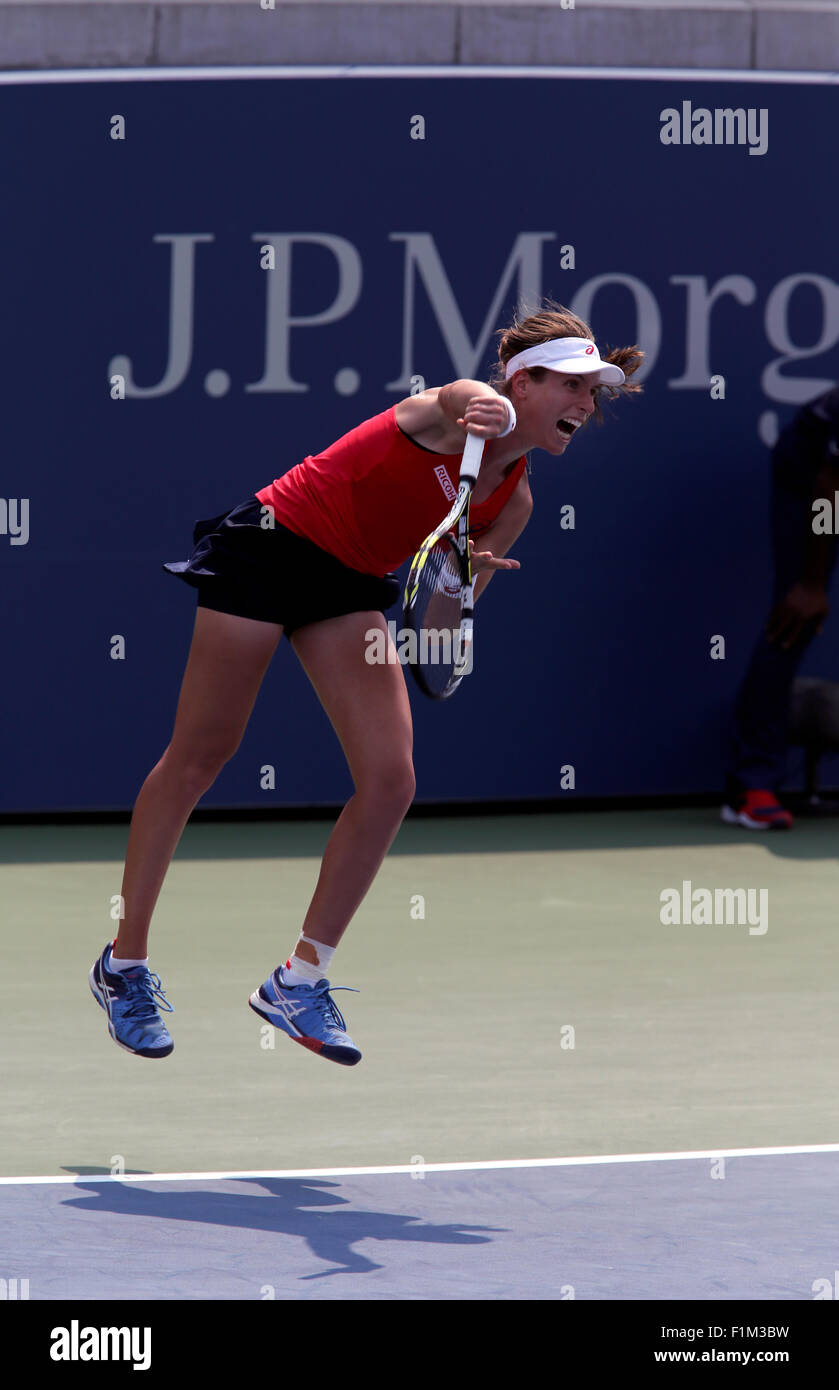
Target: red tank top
(373, 496)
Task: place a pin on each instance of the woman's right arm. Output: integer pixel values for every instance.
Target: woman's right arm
(443, 408)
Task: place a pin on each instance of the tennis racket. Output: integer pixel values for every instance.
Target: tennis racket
(439, 596)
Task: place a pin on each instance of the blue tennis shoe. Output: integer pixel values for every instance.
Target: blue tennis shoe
(309, 1015)
(131, 999)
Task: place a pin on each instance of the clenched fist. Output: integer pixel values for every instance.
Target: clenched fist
(486, 416)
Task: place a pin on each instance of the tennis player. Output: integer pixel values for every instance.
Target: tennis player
(312, 556)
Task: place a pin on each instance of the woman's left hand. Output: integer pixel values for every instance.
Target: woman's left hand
(485, 560)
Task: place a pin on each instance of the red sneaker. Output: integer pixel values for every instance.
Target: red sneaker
(758, 809)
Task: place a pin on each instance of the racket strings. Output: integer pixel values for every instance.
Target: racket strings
(439, 596)
(445, 571)
(436, 615)
(439, 600)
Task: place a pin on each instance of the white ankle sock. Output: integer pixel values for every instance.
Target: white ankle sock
(302, 972)
(117, 964)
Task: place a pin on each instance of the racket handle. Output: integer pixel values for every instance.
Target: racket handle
(470, 464)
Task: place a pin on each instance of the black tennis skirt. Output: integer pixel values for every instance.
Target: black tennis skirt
(273, 575)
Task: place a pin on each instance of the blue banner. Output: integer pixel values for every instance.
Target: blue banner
(405, 217)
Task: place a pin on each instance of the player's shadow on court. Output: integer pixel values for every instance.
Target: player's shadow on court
(330, 1235)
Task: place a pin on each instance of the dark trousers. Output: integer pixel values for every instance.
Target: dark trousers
(762, 709)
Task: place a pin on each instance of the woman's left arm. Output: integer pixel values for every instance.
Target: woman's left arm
(488, 551)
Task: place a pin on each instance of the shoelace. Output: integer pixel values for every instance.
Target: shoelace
(327, 1003)
(143, 993)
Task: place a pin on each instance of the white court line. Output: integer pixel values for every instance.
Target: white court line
(248, 73)
(504, 1163)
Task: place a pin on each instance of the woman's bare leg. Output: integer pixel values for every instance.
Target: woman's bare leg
(368, 708)
(227, 661)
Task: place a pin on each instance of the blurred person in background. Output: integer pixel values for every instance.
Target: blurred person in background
(805, 490)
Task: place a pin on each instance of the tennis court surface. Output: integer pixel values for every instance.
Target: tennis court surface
(745, 1227)
(561, 1095)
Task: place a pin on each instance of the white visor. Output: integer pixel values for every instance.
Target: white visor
(571, 355)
